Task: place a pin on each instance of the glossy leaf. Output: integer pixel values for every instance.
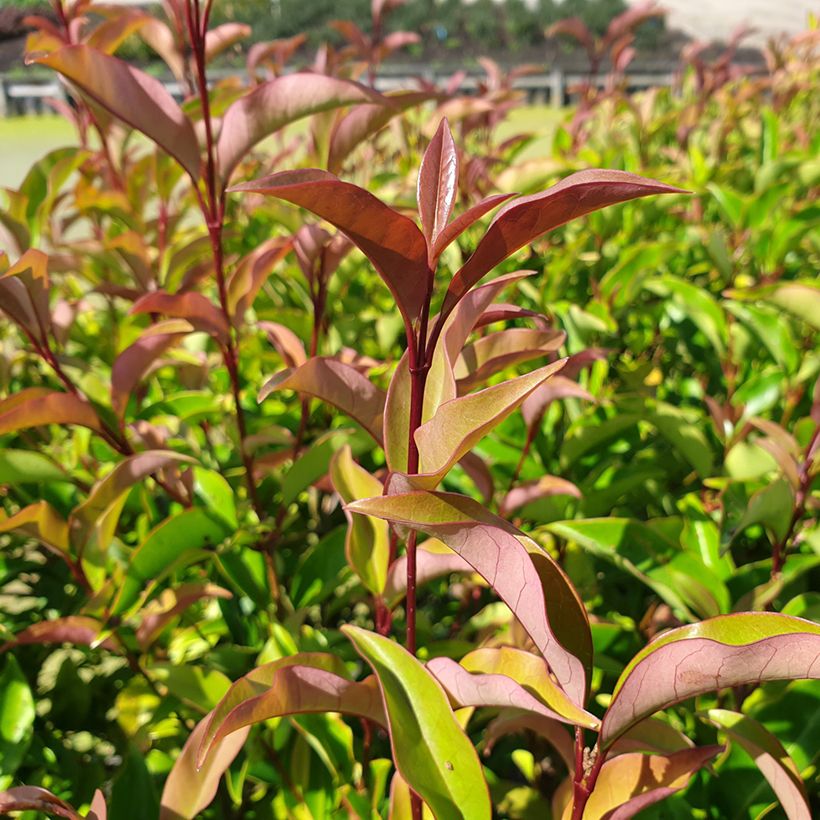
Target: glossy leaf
(41, 521)
(464, 220)
(335, 383)
(190, 789)
(223, 37)
(631, 782)
(74, 629)
(194, 307)
(28, 466)
(525, 219)
(306, 682)
(34, 406)
(508, 678)
(493, 549)
(24, 293)
(391, 241)
(430, 749)
(731, 650)
(769, 756)
(437, 183)
(132, 96)
(33, 798)
(367, 544)
(461, 423)
(531, 491)
(251, 273)
(288, 345)
(16, 717)
(276, 103)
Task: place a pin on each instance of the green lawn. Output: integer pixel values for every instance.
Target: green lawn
(24, 140)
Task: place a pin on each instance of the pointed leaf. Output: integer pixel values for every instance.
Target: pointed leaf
(189, 790)
(223, 37)
(306, 682)
(430, 749)
(543, 487)
(730, 650)
(194, 307)
(251, 273)
(288, 345)
(769, 756)
(335, 383)
(33, 798)
(367, 544)
(437, 183)
(33, 407)
(492, 547)
(525, 219)
(508, 677)
(461, 423)
(74, 629)
(276, 103)
(630, 783)
(132, 96)
(24, 293)
(41, 521)
(391, 241)
(464, 220)
(558, 387)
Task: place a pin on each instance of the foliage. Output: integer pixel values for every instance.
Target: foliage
(277, 541)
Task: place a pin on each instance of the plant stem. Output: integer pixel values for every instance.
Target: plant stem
(586, 774)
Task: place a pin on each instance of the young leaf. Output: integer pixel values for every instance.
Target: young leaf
(430, 749)
(769, 756)
(305, 682)
(631, 782)
(34, 406)
(391, 241)
(75, 629)
(276, 103)
(506, 677)
(41, 521)
(525, 219)
(132, 96)
(491, 546)
(288, 345)
(367, 544)
(463, 221)
(251, 273)
(437, 183)
(194, 307)
(33, 798)
(461, 423)
(730, 650)
(189, 789)
(335, 383)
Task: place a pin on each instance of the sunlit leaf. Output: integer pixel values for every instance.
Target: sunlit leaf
(34, 406)
(192, 306)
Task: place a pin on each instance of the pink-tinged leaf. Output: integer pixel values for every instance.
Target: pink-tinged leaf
(338, 384)
(307, 682)
(288, 345)
(195, 308)
(451, 232)
(401, 807)
(275, 104)
(626, 22)
(251, 273)
(157, 614)
(543, 487)
(770, 757)
(630, 783)
(367, 543)
(573, 27)
(189, 789)
(506, 313)
(492, 547)
(525, 219)
(277, 52)
(430, 749)
(558, 387)
(24, 292)
(74, 629)
(222, 37)
(364, 121)
(33, 798)
(391, 241)
(33, 407)
(437, 183)
(134, 362)
(513, 722)
(469, 685)
(161, 39)
(98, 810)
(461, 423)
(730, 650)
(131, 96)
(433, 560)
(41, 521)
(478, 471)
(110, 35)
(396, 40)
(496, 351)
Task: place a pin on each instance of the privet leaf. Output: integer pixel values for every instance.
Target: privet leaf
(730, 650)
(437, 183)
(430, 749)
(491, 546)
(338, 384)
(132, 96)
(391, 241)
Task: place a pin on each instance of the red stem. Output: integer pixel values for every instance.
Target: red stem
(584, 781)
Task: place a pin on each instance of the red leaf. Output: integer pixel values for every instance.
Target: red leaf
(75, 629)
(132, 96)
(543, 487)
(460, 224)
(197, 309)
(391, 241)
(33, 798)
(437, 183)
(34, 406)
(527, 218)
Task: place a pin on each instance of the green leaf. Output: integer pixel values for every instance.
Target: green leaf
(684, 431)
(16, 719)
(430, 749)
(217, 495)
(26, 466)
(772, 506)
